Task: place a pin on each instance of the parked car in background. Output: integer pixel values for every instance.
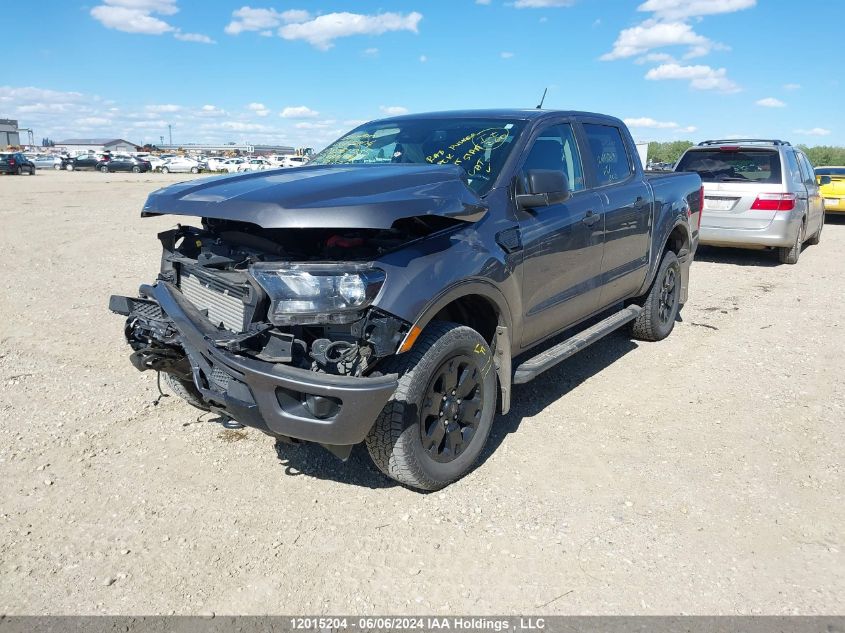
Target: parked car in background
(47, 161)
(215, 163)
(757, 193)
(256, 164)
(294, 161)
(180, 164)
(124, 163)
(383, 301)
(832, 188)
(231, 164)
(16, 163)
(85, 161)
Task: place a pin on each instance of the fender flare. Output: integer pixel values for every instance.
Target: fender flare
(680, 220)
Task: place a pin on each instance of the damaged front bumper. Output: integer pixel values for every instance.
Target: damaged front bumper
(332, 410)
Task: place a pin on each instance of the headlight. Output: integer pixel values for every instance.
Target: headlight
(317, 293)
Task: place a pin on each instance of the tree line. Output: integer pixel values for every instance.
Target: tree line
(671, 151)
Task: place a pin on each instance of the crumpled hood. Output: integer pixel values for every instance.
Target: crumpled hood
(348, 196)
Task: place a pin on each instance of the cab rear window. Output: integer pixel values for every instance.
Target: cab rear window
(734, 165)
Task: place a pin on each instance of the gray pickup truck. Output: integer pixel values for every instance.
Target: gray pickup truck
(381, 293)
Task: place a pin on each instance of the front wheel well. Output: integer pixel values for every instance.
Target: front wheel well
(474, 311)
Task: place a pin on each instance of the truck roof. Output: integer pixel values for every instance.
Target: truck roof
(500, 113)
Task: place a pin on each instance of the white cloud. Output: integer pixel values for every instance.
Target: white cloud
(656, 58)
(249, 19)
(211, 111)
(129, 20)
(640, 39)
(370, 52)
(92, 121)
(792, 86)
(816, 131)
(194, 37)
(653, 124)
(423, 59)
(700, 77)
(259, 109)
(164, 7)
(321, 31)
(505, 54)
(683, 9)
(393, 110)
(165, 107)
(299, 112)
(485, 2)
(647, 122)
(770, 102)
(542, 4)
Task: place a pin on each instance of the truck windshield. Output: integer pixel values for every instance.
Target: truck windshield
(480, 146)
(733, 165)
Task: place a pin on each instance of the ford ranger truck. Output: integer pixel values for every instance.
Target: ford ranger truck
(394, 289)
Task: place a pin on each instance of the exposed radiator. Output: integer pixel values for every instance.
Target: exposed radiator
(220, 300)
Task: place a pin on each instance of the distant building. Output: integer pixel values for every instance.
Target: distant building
(243, 148)
(9, 133)
(96, 145)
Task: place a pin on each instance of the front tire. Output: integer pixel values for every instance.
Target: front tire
(194, 170)
(186, 390)
(136, 170)
(165, 170)
(69, 167)
(662, 303)
(435, 426)
(104, 169)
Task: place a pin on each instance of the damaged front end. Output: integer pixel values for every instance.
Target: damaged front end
(265, 328)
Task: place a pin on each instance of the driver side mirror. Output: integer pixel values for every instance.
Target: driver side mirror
(824, 180)
(542, 188)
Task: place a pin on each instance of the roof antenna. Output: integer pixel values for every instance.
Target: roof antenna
(540, 105)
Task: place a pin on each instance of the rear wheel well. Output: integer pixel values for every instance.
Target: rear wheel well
(473, 311)
(678, 241)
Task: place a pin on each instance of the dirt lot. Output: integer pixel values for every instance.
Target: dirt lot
(698, 475)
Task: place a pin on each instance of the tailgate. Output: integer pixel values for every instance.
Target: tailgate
(728, 206)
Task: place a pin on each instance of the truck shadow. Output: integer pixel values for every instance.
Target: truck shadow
(527, 402)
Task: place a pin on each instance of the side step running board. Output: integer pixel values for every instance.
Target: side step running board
(535, 366)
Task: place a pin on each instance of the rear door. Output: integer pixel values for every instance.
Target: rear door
(626, 201)
(815, 203)
(562, 243)
(733, 177)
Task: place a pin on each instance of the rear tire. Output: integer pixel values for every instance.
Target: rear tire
(136, 170)
(790, 254)
(104, 169)
(194, 170)
(662, 303)
(19, 171)
(57, 166)
(165, 170)
(186, 390)
(447, 395)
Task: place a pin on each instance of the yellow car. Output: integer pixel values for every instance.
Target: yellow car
(832, 189)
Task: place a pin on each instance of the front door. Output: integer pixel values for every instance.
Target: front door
(562, 242)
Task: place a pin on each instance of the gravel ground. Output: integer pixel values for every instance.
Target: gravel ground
(700, 475)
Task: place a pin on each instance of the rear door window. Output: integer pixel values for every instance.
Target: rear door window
(610, 157)
(794, 171)
(733, 165)
(807, 170)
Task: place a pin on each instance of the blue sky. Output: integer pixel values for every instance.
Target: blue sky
(302, 72)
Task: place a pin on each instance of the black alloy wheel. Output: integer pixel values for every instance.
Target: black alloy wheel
(452, 408)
